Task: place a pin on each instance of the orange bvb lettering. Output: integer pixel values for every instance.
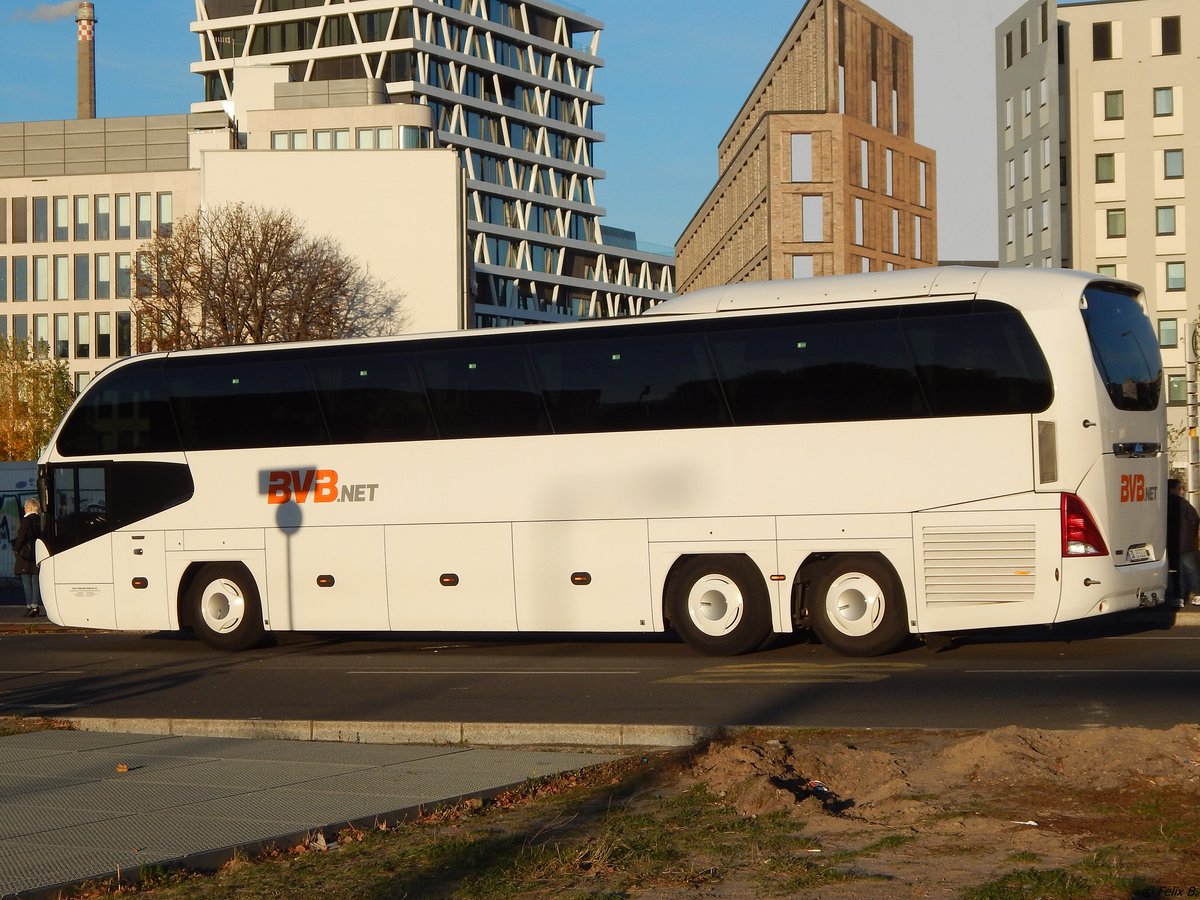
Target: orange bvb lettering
(300, 484)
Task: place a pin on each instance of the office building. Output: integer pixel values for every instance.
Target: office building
(1092, 151)
(819, 173)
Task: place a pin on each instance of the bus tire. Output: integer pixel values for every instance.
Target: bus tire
(225, 610)
(856, 606)
(719, 605)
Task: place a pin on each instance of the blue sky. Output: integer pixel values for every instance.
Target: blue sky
(676, 72)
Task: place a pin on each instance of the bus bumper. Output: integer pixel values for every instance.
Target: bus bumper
(1092, 588)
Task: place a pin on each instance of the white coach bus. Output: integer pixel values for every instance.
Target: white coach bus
(868, 457)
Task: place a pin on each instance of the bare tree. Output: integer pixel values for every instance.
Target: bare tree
(242, 274)
(35, 391)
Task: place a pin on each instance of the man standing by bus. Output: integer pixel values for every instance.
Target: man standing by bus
(1183, 524)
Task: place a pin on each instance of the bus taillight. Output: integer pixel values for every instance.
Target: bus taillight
(1080, 536)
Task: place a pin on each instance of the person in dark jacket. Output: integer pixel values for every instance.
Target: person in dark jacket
(1183, 525)
(25, 563)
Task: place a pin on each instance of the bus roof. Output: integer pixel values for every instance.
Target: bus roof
(931, 281)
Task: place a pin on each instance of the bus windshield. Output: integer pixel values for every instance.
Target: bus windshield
(1124, 347)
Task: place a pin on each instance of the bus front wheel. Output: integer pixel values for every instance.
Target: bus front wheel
(718, 605)
(225, 609)
(856, 606)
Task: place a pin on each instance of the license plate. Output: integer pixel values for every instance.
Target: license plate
(1137, 554)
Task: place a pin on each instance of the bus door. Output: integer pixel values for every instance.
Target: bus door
(77, 578)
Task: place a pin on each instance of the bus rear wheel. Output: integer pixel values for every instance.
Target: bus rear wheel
(225, 610)
(856, 606)
(718, 605)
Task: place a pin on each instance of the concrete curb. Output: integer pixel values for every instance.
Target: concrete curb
(485, 734)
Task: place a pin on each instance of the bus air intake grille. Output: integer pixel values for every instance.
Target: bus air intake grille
(979, 564)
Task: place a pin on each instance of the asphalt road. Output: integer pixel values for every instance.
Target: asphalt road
(1077, 676)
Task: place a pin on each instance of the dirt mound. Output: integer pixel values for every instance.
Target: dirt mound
(973, 802)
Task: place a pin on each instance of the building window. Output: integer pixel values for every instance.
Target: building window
(103, 276)
(1043, 93)
(922, 183)
(1168, 333)
(103, 217)
(62, 336)
(124, 269)
(41, 220)
(1047, 152)
(802, 266)
(895, 217)
(860, 214)
(889, 164)
(1114, 105)
(1176, 390)
(144, 226)
(1008, 112)
(864, 163)
(1115, 219)
(802, 168)
(103, 335)
(812, 222)
(1024, 38)
(1008, 50)
(62, 278)
(1029, 221)
(1106, 168)
(1010, 229)
(83, 337)
(1172, 164)
(124, 218)
(1026, 164)
(1176, 276)
(1108, 270)
(124, 333)
(918, 238)
(62, 218)
(166, 213)
(1045, 215)
(83, 276)
(1102, 40)
(83, 209)
(1164, 101)
(1043, 22)
(1164, 220)
(1027, 100)
(1172, 43)
(1011, 167)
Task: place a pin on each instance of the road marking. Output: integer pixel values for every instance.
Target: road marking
(1080, 671)
(794, 673)
(427, 671)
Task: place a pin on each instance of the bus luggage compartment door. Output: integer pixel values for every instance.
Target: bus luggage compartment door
(140, 580)
(456, 577)
(583, 576)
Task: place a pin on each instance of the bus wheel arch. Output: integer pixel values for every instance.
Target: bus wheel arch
(221, 603)
(854, 603)
(718, 603)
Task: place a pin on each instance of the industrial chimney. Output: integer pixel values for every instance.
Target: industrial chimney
(85, 60)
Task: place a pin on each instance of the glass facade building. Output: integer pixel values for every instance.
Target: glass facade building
(511, 88)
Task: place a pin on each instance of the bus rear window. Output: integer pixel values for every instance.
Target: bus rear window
(1123, 346)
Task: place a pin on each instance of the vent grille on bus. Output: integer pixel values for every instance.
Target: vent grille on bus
(983, 564)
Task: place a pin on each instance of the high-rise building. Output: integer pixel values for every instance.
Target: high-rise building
(819, 173)
(1091, 151)
(511, 87)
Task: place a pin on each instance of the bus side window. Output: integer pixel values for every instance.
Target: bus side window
(372, 396)
(239, 401)
(617, 380)
(477, 389)
(818, 367)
